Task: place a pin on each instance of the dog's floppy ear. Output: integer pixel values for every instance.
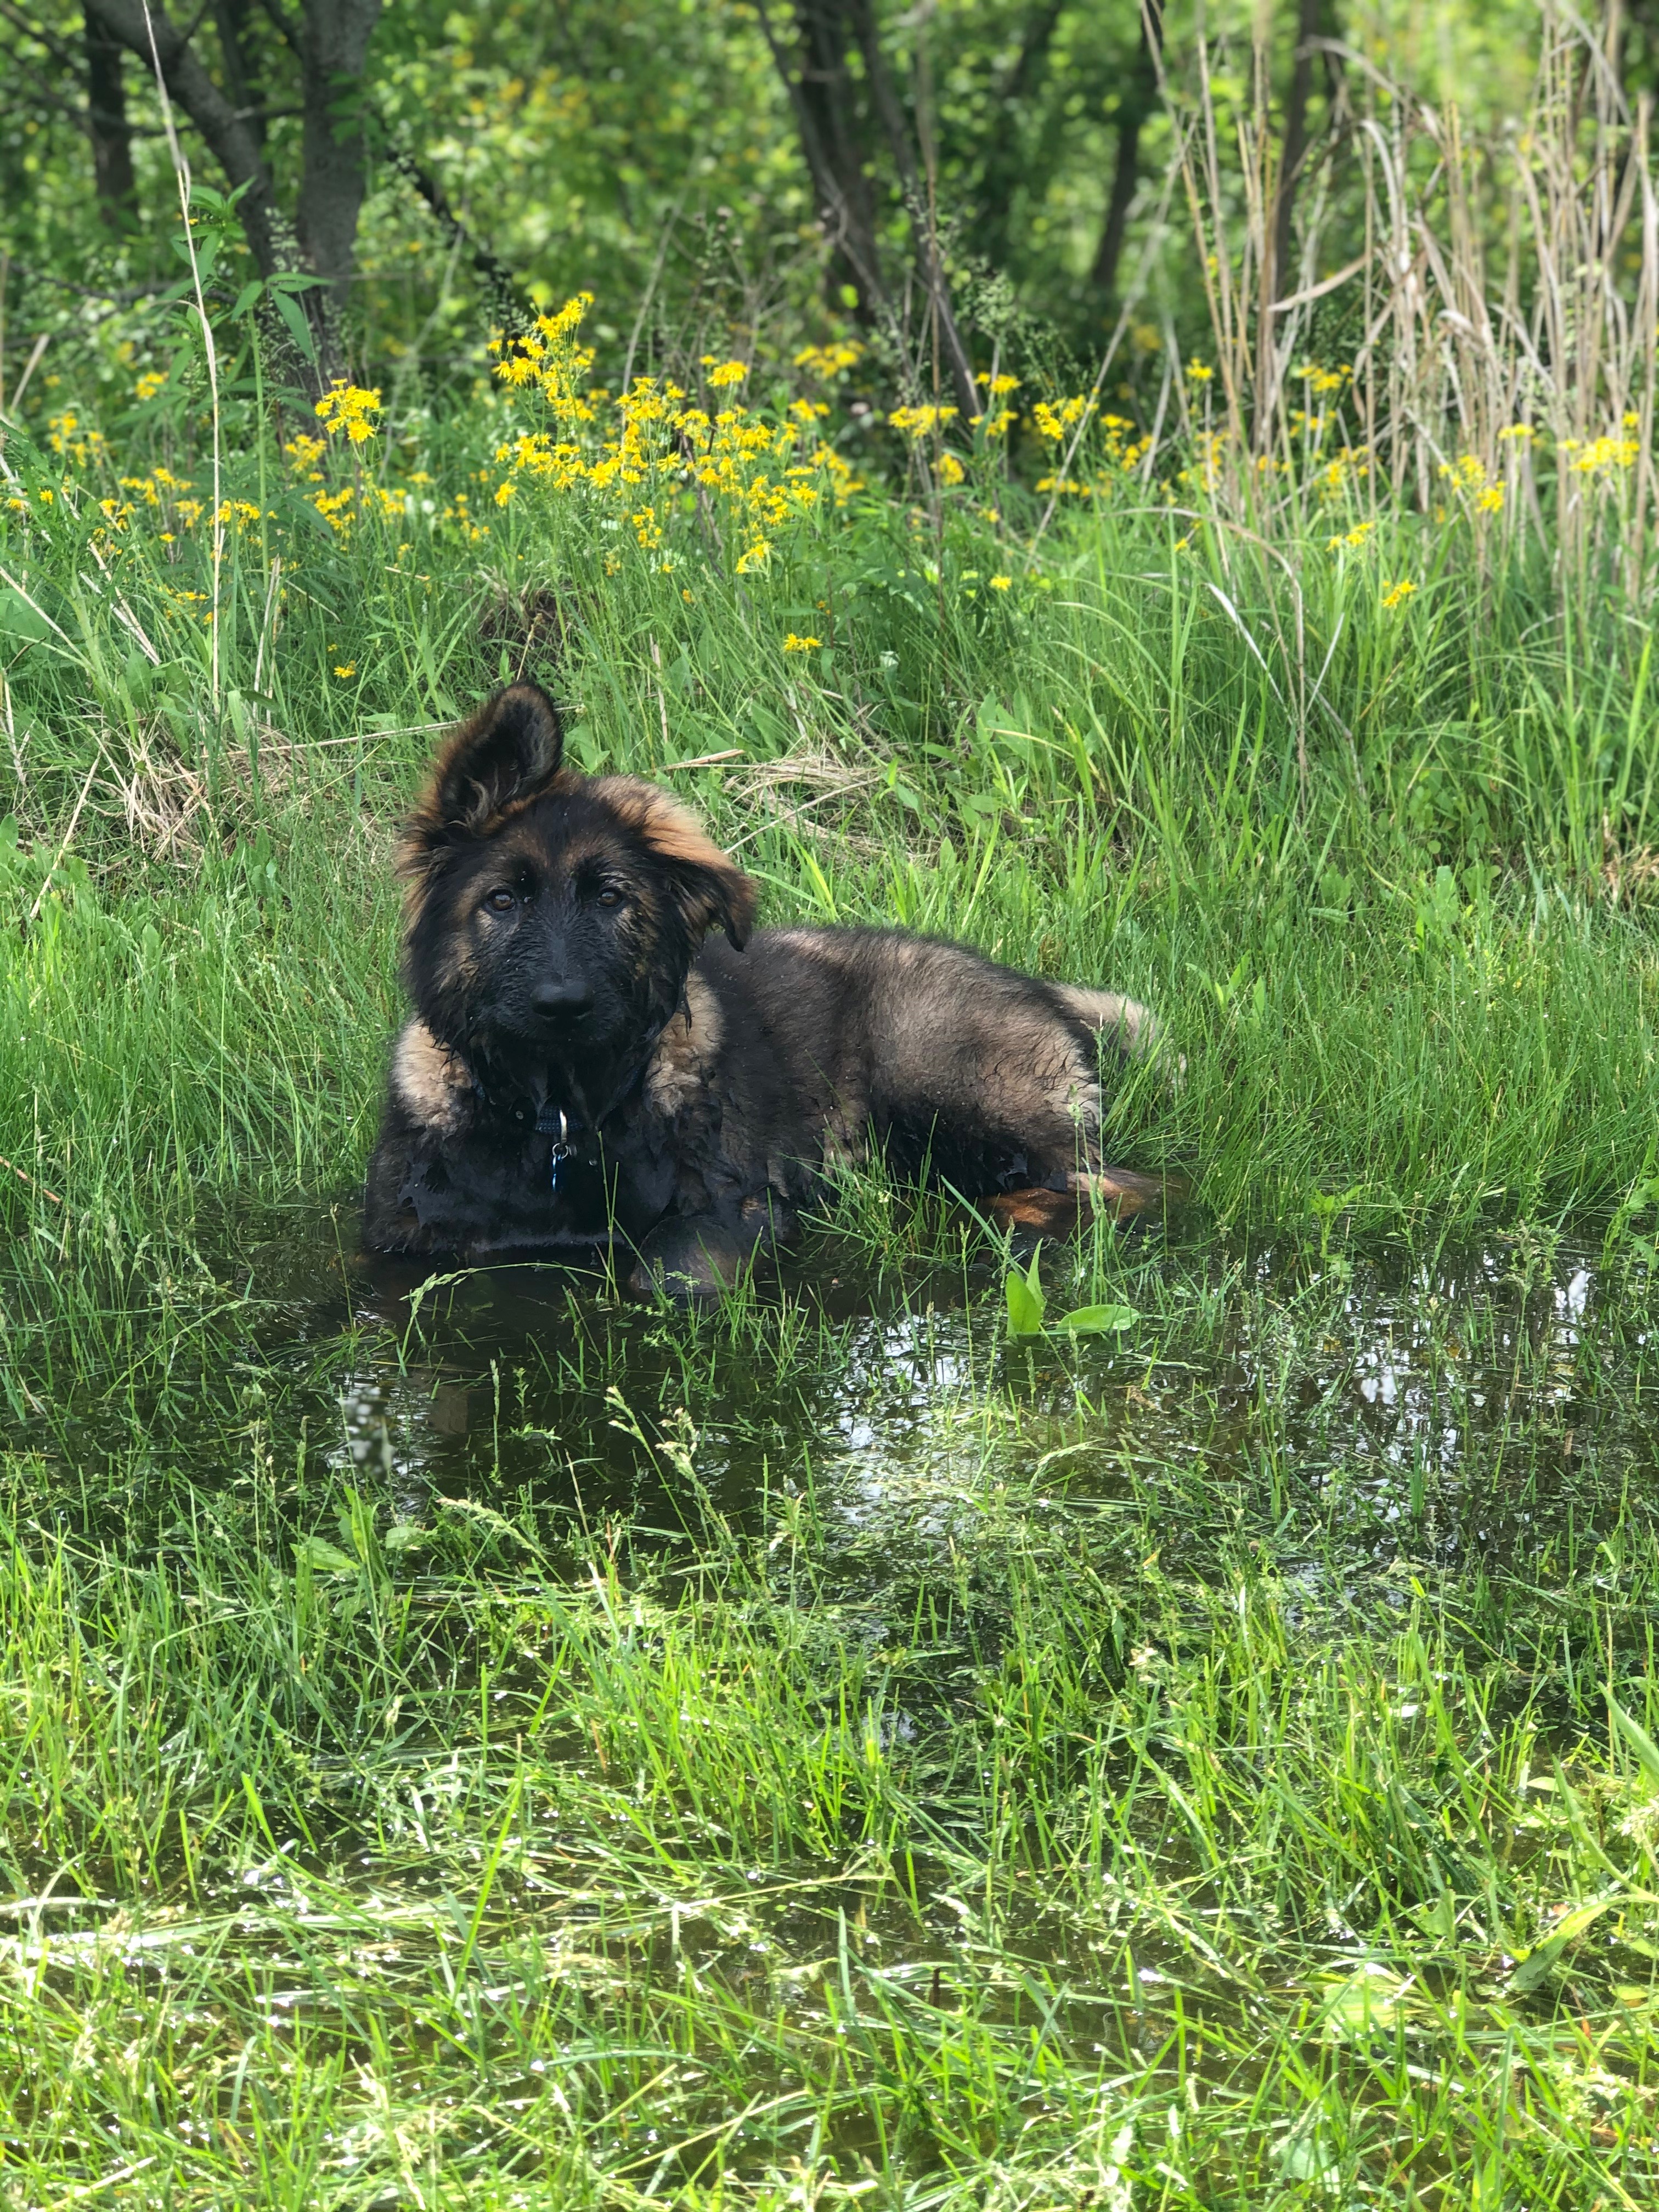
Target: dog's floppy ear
(707, 887)
(509, 750)
(716, 891)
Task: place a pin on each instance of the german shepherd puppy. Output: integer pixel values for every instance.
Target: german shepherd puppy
(589, 1058)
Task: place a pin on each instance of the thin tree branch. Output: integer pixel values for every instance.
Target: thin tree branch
(286, 29)
(508, 296)
(144, 29)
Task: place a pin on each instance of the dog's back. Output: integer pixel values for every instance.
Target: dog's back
(839, 1038)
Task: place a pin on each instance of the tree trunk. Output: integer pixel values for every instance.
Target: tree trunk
(834, 138)
(232, 18)
(111, 138)
(1004, 167)
(930, 265)
(333, 53)
(229, 140)
(1135, 105)
(1281, 278)
(332, 42)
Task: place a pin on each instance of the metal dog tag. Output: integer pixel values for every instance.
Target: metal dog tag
(551, 1122)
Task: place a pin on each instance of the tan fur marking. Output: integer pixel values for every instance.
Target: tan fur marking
(670, 830)
(680, 1064)
(1125, 1023)
(417, 853)
(434, 1083)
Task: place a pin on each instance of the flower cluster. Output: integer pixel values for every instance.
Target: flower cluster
(348, 407)
(652, 448)
(169, 495)
(827, 361)
(1324, 381)
(920, 422)
(68, 435)
(1468, 474)
(549, 358)
(1056, 421)
(1602, 455)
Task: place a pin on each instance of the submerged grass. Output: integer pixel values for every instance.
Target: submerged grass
(495, 1745)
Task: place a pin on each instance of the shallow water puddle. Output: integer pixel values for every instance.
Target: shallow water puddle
(1453, 1400)
(524, 1481)
(1452, 1397)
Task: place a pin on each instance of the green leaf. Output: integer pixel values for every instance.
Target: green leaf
(325, 1558)
(1636, 1737)
(247, 297)
(299, 328)
(1310, 2157)
(1362, 2003)
(1540, 1963)
(19, 619)
(1025, 1299)
(1097, 1320)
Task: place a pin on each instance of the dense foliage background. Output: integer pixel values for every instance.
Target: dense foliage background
(653, 152)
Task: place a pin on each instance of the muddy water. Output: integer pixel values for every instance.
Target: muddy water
(1462, 1405)
(1455, 1404)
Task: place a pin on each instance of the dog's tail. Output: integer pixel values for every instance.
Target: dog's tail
(1133, 1030)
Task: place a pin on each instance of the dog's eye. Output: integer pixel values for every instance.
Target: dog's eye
(501, 902)
(610, 895)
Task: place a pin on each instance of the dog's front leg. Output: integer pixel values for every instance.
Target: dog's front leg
(698, 1255)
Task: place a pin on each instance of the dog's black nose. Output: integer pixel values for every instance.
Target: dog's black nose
(562, 1001)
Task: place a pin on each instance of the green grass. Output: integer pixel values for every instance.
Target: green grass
(511, 1747)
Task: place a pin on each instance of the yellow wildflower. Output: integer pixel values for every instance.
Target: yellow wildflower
(794, 644)
(349, 669)
(1395, 595)
(728, 373)
(1602, 453)
(348, 407)
(920, 422)
(150, 384)
(1467, 472)
(1002, 583)
(828, 360)
(1053, 419)
(1198, 372)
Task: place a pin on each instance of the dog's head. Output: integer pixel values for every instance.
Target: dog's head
(551, 917)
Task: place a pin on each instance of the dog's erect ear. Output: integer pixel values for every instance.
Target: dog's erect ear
(708, 889)
(509, 750)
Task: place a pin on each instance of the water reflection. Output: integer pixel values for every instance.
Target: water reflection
(1453, 1393)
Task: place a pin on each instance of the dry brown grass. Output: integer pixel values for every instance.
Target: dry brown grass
(1505, 291)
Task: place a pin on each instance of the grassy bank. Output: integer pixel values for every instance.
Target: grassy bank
(507, 1746)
